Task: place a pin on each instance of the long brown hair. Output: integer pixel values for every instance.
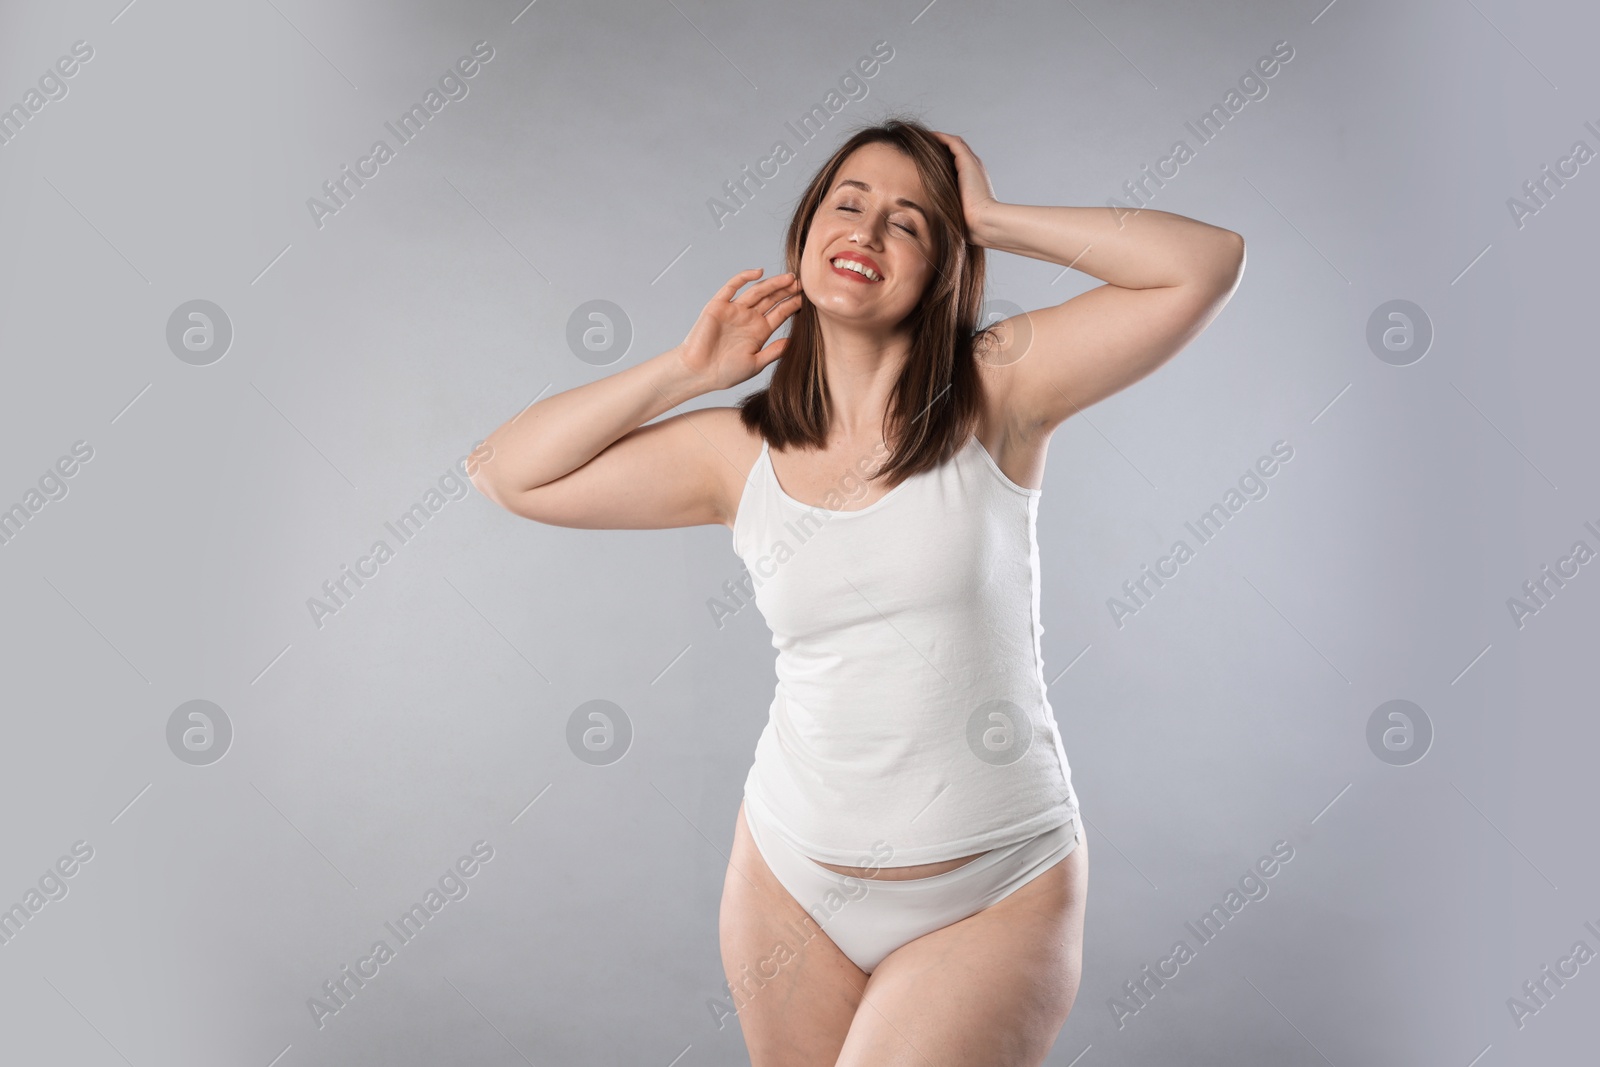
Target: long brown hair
(934, 405)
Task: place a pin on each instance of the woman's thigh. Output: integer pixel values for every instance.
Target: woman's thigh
(992, 990)
(794, 991)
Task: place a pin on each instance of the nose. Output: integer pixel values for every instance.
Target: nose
(868, 228)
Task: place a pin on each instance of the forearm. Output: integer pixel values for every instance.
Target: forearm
(555, 436)
(1136, 250)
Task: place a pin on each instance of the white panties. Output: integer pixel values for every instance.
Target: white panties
(868, 918)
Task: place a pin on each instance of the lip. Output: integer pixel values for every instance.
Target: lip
(859, 258)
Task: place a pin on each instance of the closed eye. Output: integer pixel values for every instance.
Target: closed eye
(908, 229)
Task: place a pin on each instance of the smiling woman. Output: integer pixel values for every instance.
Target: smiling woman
(910, 722)
(887, 201)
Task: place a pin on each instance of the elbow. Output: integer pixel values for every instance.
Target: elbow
(1229, 245)
(1234, 243)
(1227, 264)
(523, 503)
(478, 471)
(483, 483)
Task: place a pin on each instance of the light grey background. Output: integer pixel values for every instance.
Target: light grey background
(370, 354)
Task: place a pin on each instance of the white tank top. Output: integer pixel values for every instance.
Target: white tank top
(910, 708)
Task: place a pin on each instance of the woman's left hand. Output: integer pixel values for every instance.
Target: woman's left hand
(977, 194)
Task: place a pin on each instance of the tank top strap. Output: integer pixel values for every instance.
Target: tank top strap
(755, 497)
(763, 464)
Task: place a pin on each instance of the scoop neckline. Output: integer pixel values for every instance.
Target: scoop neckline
(766, 454)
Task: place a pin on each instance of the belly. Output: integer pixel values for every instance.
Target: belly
(896, 874)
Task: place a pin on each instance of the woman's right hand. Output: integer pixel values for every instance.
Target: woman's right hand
(724, 346)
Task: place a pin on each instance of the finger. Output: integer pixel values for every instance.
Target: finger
(772, 351)
(783, 309)
(758, 294)
(727, 291)
(776, 296)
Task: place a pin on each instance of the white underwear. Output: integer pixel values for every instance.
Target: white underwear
(868, 918)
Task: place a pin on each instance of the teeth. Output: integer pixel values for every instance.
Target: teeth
(858, 267)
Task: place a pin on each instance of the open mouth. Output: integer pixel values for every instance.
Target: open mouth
(856, 269)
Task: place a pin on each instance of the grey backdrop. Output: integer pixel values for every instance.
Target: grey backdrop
(366, 752)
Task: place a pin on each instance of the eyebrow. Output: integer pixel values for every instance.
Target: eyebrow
(902, 201)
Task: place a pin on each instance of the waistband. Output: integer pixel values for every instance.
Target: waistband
(1047, 841)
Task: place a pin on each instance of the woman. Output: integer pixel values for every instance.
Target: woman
(908, 874)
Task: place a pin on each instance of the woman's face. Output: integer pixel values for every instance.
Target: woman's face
(877, 198)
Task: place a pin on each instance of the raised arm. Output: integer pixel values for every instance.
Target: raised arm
(1166, 278)
(583, 457)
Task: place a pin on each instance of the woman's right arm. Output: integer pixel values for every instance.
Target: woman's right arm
(584, 458)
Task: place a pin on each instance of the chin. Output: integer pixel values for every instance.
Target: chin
(862, 317)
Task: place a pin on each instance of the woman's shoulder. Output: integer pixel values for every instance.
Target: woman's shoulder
(726, 432)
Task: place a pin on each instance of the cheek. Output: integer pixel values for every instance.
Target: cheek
(917, 279)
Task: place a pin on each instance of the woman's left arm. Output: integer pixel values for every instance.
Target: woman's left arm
(1166, 278)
